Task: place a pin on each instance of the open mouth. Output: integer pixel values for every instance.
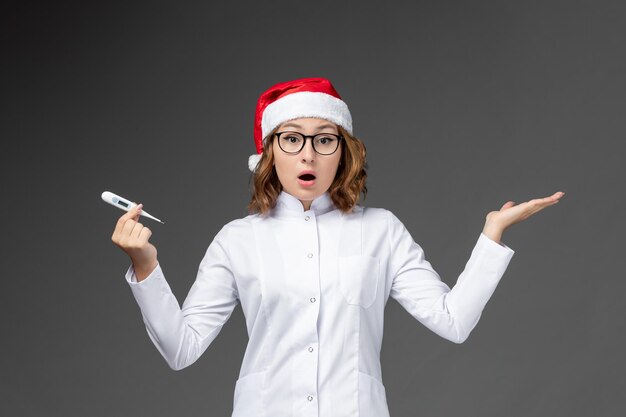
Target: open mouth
(307, 177)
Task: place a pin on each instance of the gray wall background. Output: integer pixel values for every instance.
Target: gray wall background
(462, 106)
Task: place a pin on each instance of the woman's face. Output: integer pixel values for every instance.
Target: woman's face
(291, 168)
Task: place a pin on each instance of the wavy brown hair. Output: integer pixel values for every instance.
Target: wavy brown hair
(345, 190)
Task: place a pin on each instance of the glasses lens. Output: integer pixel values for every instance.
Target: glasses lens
(290, 141)
(326, 143)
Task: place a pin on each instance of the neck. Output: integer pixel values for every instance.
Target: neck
(306, 204)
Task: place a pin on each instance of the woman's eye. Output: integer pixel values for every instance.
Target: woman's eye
(292, 139)
(325, 141)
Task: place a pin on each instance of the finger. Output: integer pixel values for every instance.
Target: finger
(539, 203)
(136, 230)
(507, 205)
(127, 228)
(139, 209)
(132, 212)
(555, 197)
(548, 201)
(145, 234)
(542, 205)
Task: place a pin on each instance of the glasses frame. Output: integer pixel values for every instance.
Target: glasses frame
(339, 139)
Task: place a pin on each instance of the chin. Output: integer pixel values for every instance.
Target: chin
(305, 193)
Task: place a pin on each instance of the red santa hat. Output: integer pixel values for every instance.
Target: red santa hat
(305, 97)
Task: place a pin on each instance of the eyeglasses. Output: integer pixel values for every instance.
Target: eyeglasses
(323, 143)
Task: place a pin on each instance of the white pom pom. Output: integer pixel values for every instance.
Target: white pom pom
(253, 161)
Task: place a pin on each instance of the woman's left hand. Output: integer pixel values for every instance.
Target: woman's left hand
(498, 221)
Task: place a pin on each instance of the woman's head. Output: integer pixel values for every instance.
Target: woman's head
(304, 127)
(340, 172)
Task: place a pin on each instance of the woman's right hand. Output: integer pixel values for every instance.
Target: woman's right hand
(132, 237)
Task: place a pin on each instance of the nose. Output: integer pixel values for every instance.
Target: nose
(307, 153)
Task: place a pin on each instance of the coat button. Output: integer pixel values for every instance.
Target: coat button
(310, 398)
(310, 349)
(310, 255)
(307, 218)
(313, 299)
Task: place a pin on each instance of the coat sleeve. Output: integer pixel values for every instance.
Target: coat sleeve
(182, 335)
(450, 313)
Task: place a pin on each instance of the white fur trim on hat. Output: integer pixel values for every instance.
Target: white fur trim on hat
(306, 104)
(253, 161)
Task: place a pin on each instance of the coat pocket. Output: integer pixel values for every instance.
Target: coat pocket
(249, 395)
(358, 279)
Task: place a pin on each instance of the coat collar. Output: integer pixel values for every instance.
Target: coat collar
(289, 206)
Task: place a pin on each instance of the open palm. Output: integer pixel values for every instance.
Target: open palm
(510, 213)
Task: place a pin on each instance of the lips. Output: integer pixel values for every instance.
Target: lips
(306, 179)
(307, 175)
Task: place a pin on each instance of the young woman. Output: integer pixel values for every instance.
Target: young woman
(312, 269)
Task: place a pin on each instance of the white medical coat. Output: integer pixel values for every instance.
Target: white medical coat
(313, 287)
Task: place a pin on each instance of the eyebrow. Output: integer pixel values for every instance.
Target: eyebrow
(297, 126)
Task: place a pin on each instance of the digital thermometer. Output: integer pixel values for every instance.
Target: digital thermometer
(124, 204)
